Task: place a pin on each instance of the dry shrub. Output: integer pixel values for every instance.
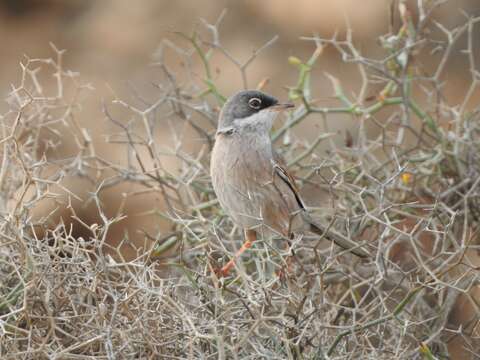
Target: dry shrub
(410, 195)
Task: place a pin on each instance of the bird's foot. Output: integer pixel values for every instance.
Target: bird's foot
(223, 271)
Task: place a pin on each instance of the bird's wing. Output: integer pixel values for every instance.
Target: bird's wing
(330, 234)
(289, 181)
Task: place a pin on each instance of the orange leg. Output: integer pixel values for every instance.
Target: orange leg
(250, 237)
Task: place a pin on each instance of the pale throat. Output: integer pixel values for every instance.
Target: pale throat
(260, 123)
(254, 132)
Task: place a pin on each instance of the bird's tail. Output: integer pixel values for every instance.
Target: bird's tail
(333, 235)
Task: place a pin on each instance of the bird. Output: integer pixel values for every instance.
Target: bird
(252, 183)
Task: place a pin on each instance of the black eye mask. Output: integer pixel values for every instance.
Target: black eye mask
(245, 104)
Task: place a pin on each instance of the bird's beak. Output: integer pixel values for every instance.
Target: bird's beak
(281, 106)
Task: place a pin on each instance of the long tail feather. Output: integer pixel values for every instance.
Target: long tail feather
(339, 239)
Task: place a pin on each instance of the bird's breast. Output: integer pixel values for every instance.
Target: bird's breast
(241, 171)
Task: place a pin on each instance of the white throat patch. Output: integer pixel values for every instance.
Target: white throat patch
(263, 120)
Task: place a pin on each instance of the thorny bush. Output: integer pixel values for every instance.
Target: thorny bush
(409, 192)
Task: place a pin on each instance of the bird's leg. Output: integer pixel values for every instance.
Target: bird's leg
(250, 237)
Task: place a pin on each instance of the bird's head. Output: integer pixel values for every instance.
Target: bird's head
(252, 109)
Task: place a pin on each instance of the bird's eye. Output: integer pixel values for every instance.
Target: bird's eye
(255, 103)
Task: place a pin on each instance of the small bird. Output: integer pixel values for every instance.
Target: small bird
(250, 180)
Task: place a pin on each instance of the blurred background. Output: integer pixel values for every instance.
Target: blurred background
(112, 41)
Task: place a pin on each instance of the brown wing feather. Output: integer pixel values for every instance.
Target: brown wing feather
(338, 239)
(290, 182)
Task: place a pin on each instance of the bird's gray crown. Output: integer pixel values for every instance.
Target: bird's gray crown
(244, 104)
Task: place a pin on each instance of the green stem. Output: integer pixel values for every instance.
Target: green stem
(206, 65)
(427, 119)
(337, 110)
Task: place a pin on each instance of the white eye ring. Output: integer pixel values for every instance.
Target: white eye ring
(255, 103)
